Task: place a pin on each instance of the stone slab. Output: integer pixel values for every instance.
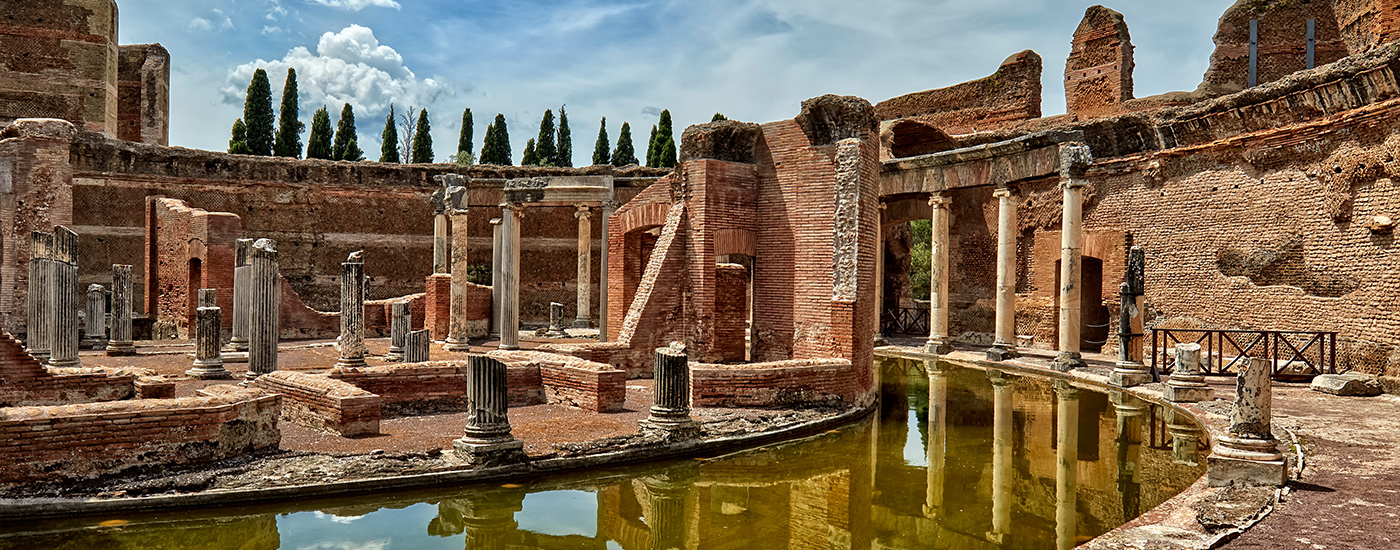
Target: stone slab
(1187, 394)
(1222, 471)
(1350, 384)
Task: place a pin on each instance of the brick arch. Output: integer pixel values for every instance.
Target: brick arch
(911, 138)
(642, 217)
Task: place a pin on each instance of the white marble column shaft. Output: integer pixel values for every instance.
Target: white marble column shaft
(352, 312)
(511, 215)
(242, 294)
(67, 299)
(582, 317)
(939, 340)
(264, 314)
(1004, 347)
(120, 342)
(40, 297)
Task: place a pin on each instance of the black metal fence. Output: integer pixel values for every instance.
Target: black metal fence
(905, 320)
(1295, 355)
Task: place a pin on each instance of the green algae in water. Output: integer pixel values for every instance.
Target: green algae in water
(956, 457)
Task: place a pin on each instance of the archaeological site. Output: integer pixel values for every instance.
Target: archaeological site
(938, 320)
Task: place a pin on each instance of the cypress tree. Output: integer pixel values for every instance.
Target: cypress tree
(257, 115)
(488, 145)
(651, 147)
(318, 144)
(601, 155)
(289, 126)
(667, 157)
(422, 140)
(718, 117)
(464, 140)
(565, 156)
(502, 141)
(239, 144)
(544, 144)
(665, 142)
(624, 154)
(389, 151)
(346, 137)
(530, 157)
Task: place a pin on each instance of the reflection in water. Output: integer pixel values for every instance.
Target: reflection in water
(991, 446)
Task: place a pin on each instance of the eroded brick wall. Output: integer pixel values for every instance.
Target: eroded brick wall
(58, 59)
(1010, 94)
(1282, 42)
(36, 193)
(1099, 72)
(143, 94)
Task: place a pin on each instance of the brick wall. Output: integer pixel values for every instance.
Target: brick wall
(324, 403)
(35, 195)
(1282, 43)
(1099, 72)
(26, 383)
(774, 384)
(587, 385)
(436, 386)
(143, 94)
(58, 59)
(1010, 94)
(731, 313)
(187, 249)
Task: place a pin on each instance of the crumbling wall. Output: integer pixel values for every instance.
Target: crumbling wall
(1099, 72)
(1010, 94)
(1282, 43)
(26, 383)
(143, 94)
(58, 59)
(1366, 24)
(36, 193)
(188, 249)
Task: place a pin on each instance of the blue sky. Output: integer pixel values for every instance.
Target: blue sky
(753, 60)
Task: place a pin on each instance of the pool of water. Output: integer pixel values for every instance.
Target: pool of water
(956, 457)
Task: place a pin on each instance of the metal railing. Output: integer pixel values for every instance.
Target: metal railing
(1295, 355)
(905, 320)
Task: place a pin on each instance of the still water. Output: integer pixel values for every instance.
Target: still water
(957, 457)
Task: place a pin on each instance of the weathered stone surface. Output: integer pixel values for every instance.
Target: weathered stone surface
(727, 140)
(832, 118)
(1350, 384)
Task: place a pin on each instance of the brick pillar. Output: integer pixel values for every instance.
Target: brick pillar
(264, 319)
(120, 340)
(608, 208)
(40, 297)
(208, 363)
(242, 293)
(1005, 345)
(487, 438)
(352, 312)
(938, 337)
(66, 301)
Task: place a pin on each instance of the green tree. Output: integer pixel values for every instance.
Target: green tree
(239, 144)
(665, 142)
(920, 256)
(651, 147)
(422, 140)
(565, 155)
(544, 144)
(502, 141)
(289, 126)
(601, 153)
(667, 157)
(531, 157)
(488, 145)
(257, 115)
(464, 139)
(318, 144)
(718, 117)
(347, 139)
(624, 154)
(389, 151)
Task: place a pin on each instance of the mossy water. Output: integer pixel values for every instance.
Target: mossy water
(956, 457)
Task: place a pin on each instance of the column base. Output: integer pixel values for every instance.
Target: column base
(236, 345)
(938, 346)
(234, 357)
(456, 344)
(1187, 394)
(209, 372)
(1002, 352)
(93, 343)
(583, 322)
(1222, 471)
(1127, 375)
(43, 357)
(671, 428)
(116, 349)
(71, 363)
(508, 347)
(556, 332)
(1067, 361)
(489, 452)
(351, 363)
(394, 355)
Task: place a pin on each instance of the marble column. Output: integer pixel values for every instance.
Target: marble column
(667, 494)
(608, 208)
(1001, 455)
(400, 323)
(440, 238)
(352, 312)
(487, 438)
(509, 275)
(1130, 413)
(880, 339)
(488, 520)
(495, 279)
(263, 314)
(556, 321)
(1129, 370)
(457, 339)
(1074, 159)
(208, 363)
(670, 412)
(67, 299)
(1249, 455)
(934, 476)
(40, 296)
(95, 317)
(120, 340)
(242, 294)
(1187, 384)
(415, 346)
(1066, 466)
(939, 340)
(582, 317)
(1004, 347)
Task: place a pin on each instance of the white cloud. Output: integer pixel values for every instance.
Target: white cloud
(200, 24)
(337, 519)
(205, 24)
(270, 30)
(357, 5)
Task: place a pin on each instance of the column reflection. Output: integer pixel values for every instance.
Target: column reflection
(1066, 465)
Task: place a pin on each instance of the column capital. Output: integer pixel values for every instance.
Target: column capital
(1075, 159)
(495, 221)
(1065, 390)
(1073, 183)
(514, 207)
(1004, 192)
(610, 205)
(939, 200)
(583, 211)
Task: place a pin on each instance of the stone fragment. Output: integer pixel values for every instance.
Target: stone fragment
(832, 118)
(1349, 384)
(727, 140)
(415, 348)
(670, 413)
(1187, 385)
(208, 363)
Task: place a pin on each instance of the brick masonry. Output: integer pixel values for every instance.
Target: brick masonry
(24, 382)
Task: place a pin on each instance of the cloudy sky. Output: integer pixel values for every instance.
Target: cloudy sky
(753, 60)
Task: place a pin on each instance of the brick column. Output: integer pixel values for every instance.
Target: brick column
(208, 363)
(352, 312)
(1074, 160)
(509, 275)
(66, 301)
(585, 266)
(608, 208)
(264, 319)
(120, 340)
(1066, 465)
(487, 438)
(40, 297)
(1005, 345)
(939, 341)
(242, 293)
(400, 323)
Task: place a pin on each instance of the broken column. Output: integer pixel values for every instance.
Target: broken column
(1004, 347)
(40, 298)
(495, 280)
(1074, 160)
(440, 245)
(670, 412)
(352, 312)
(208, 364)
(509, 275)
(120, 340)
(556, 321)
(263, 316)
(95, 318)
(608, 208)
(668, 492)
(63, 336)
(1187, 384)
(415, 346)
(585, 266)
(242, 294)
(1249, 455)
(487, 438)
(456, 204)
(400, 322)
(1129, 370)
(938, 337)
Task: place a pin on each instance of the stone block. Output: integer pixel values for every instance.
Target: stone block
(1350, 384)
(1187, 394)
(1222, 471)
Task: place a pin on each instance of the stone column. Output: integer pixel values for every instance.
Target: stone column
(120, 340)
(939, 340)
(1074, 160)
(40, 297)
(1005, 345)
(934, 477)
(1249, 455)
(440, 243)
(1066, 465)
(487, 438)
(1130, 412)
(556, 321)
(880, 339)
(1129, 370)
(1186, 447)
(1187, 384)
(352, 312)
(95, 317)
(242, 294)
(585, 266)
(457, 339)
(670, 413)
(495, 278)
(1001, 455)
(608, 208)
(63, 337)
(509, 275)
(667, 495)
(208, 364)
(415, 347)
(400, 322)
(263, 315)
(488, 520)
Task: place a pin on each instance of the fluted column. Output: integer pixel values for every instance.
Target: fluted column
(608, 208)
(400, 323)
(1129, 370)
(415, 346)
(264, 319)
(670, 411)
(511, 215)
(1186, 384)
(939, 341)
(1005, 345)
(1249, 455)
(120, 340)
(457, 339)
(40, 298)
(488, 518)
(1074, 160)
(667, 495)
(1001, 455)
(208, 363)
(67, 299)
(487, 437)
(242, 294)
(585, 266)
(1066, 465)
(937, 438)
(440, 239)
(352, 312)
(95, 317)
(495, 278)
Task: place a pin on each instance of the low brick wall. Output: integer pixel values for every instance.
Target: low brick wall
(26, 383)
(635, 362)
(567, 380)
(436, 386)
(774, 384)
(323, 403)
(379, 314)
(89, 440)
(437, 308)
